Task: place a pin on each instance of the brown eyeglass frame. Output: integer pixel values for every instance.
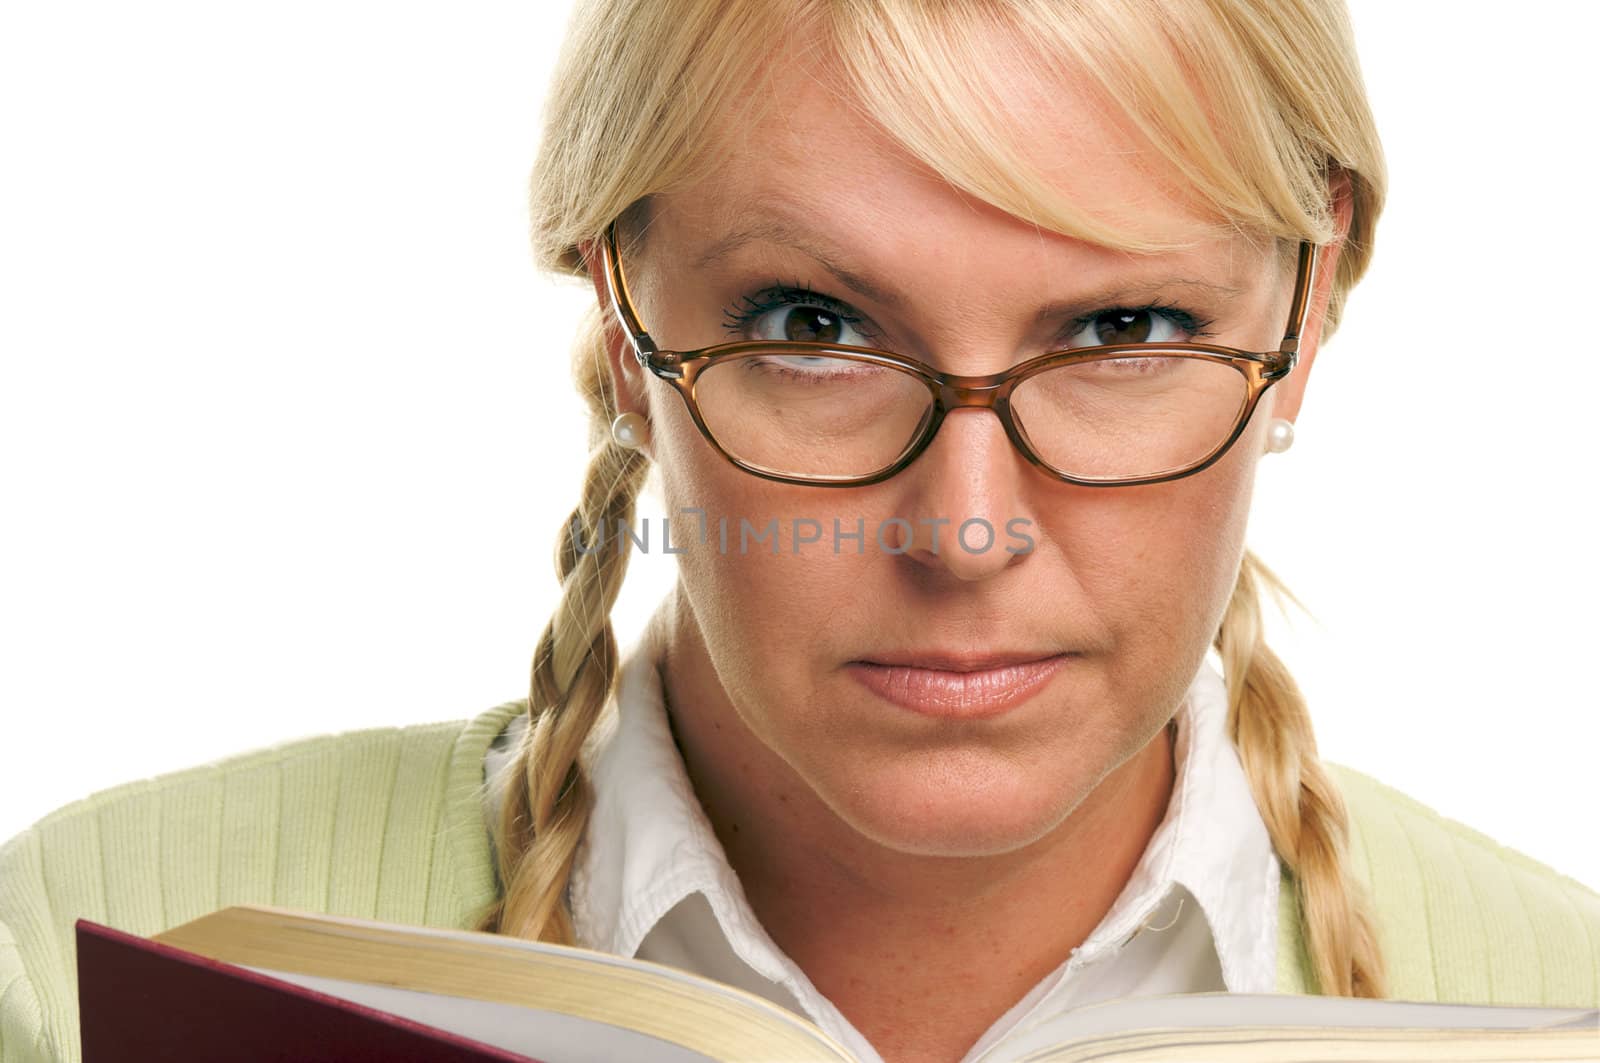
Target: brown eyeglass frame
(953, 392)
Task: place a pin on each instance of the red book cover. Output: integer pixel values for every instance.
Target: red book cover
(140, 1001)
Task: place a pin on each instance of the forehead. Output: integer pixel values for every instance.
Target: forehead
(817, 146)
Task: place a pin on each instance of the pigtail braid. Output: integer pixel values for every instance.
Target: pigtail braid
(1305, 815)
(547, 800)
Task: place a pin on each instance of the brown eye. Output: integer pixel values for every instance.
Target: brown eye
(792, 315)
(811, 324)
(1124, 326)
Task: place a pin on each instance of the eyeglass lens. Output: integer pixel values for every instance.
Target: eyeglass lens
(807, 415)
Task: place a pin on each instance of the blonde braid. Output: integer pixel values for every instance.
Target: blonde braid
(1304, 813)
(548, 799)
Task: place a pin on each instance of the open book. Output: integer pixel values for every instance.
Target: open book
(267, 983)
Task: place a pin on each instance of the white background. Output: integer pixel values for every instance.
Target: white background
(275, 461)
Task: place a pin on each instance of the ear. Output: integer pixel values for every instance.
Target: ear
(627, 377)
(1288, 393)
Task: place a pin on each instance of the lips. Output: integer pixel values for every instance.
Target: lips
(957, 686)
(954, 661)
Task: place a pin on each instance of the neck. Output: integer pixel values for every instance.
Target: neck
(872, 926)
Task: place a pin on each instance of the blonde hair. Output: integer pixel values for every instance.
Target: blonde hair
(1257, 105)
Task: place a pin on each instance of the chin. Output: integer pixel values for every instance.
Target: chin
(951, 803)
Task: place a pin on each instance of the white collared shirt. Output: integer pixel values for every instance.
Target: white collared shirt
(651, 880)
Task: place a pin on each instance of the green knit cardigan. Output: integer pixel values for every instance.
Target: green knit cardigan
(387, 824)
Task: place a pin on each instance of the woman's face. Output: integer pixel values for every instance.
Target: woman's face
(1125, 586)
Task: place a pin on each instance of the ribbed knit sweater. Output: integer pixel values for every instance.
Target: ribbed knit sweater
(388, 824)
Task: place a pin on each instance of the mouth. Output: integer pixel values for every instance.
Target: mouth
(957, 686)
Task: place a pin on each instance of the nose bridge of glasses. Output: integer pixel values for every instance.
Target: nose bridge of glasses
(972, 392)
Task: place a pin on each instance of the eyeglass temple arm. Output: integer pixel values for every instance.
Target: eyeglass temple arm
(622, 301)
(1302, 300)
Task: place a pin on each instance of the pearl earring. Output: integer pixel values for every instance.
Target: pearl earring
(630, 431)
(1280, 435)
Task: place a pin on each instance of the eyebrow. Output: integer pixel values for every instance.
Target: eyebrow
(776, 230)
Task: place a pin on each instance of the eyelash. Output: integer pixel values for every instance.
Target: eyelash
(738, 315)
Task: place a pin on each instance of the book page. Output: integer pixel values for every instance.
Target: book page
(1214, 1010)
(660, 1003)
(549, 1036)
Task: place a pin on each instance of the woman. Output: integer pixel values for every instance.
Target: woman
(925, 741)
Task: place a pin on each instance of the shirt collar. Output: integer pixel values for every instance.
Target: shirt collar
(1214, 843)
(649, 844)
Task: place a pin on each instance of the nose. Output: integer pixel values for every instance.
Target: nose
(965, 510)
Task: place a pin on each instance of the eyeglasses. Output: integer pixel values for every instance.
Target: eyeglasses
(831, 415)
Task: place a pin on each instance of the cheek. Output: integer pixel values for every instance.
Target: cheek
(760, 608)
(1158, 565)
